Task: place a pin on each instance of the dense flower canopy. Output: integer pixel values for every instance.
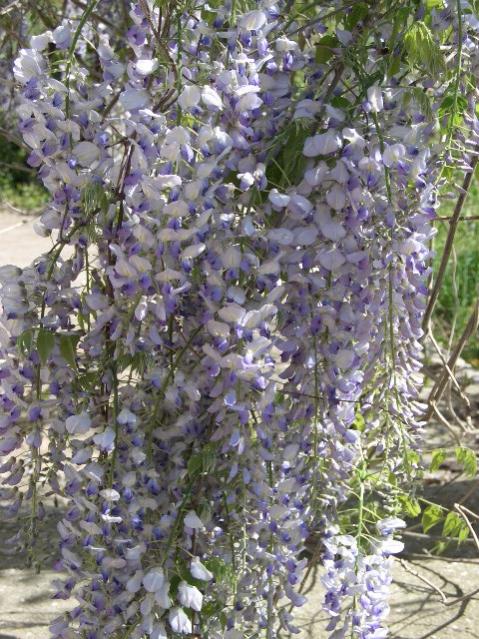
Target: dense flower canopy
(219, 356)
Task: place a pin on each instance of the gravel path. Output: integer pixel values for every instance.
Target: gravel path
(417, 610)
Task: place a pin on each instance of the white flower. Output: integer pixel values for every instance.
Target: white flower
(331, 259)
(110, 494)
(62, 36)
(105, 440)
(86, 153)
(146, 67)
(218, 329)
(282, 236)
(232, 313)
(329, 227)
(283, 44)
(322, 144)
(277, 199)
(28, 65)
(249, 102)
(388, 525)
(375, 98)
(134, 583)
(40, 42)
(134, 99)
(191, 519)
(391, 546)
(336, 198)
(179, 208)
(189, 97)
(393, 153)
(161, 596)
(78, 424)
(158, 632)
(190, 596)
(344, 358)
(211, 98)
(299, 205)
(154, 580)
(199, 571)
(252, 21)
(179, 621)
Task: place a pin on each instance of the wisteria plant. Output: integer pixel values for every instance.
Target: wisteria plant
(219, 358)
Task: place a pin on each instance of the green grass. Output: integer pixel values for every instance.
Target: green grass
(24, 195)
(461, 284)
(17, 186)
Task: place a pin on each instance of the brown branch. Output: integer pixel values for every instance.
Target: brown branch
(449, 218)
(9, 7)
(463, 511)
(438, 388)
(449, 242)
(423, 579)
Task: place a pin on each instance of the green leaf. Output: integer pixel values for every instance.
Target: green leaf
(438, 458)
(93, 198)
(68, 344)
(87, 381)
(195, 464)
(358, 13)
(25, 341)
(285, 161)
(455, 526)
(394, 66)
(410, 505)
(324, 48)
(423, 51)
(222, 571)
(459, 103)
(359, 422)
(202, 462)
(422, 100)
(45, 344)
(467, 458)
(431, 517)
(212, 609)
(340, 103)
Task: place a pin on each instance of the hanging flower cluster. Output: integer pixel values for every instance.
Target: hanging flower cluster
(220, 353)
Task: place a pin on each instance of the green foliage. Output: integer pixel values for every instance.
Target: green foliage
(286, 162)
(222, 571)
(202, 462)
(18, 184)
(455, 526)
(94, 198)
(438, 458)
(467, 458)
(410, 506)
(359, 11)
(68, 344)
(432, 516)
(420, 97)
(325, 48)
(45, 344)
(423, 51)
(459, 290)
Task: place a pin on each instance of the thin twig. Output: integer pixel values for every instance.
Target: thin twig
(440, 385)
(449, 242)
(424, 579)
(449, 218)
(9, 7)
(444, 599)
(462, 511)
